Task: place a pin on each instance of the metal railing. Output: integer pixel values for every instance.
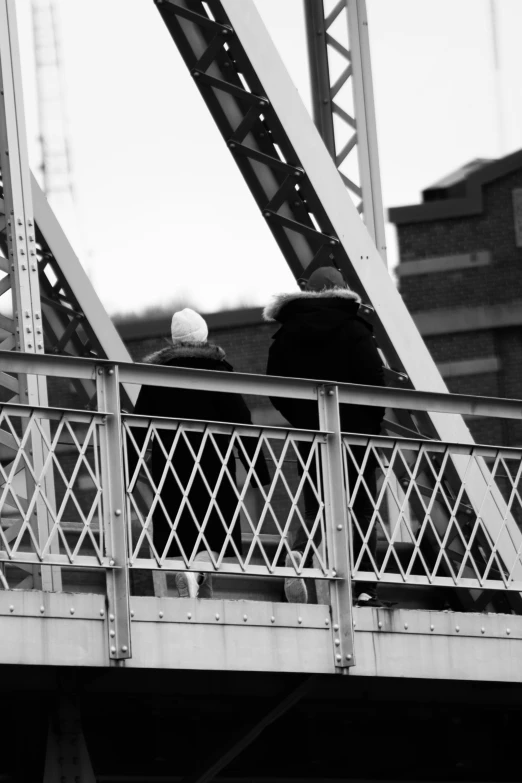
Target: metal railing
(371, 509)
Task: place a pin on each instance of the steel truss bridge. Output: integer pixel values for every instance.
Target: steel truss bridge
(108, 674)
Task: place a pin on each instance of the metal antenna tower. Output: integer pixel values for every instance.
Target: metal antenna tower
(54, 145)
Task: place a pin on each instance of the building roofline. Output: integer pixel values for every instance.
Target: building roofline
(470, 204)
(140, 328)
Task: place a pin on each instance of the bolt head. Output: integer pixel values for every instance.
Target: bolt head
(11, 608)
(300, 620)
(189, 616)
(432, 627)
(327, 621)
(132, 613)
(117, 512)
(405, 626)
(348, 656)
(217, 617)
(336, 627)
(102, 612)
(42, 609)
(111, 618)
(272, 619)
(482, 630)
(338, 658)
(124, 648)
(71, 610)
(112, 633)
(379, 624)
(112, 562)
(457, 628)
(245, 618)
(160, 615)
(339, 527)
(337, 642)
(113, 650)
(508, 631)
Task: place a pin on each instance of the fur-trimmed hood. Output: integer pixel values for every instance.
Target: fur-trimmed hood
(273, 310)
(204, 351)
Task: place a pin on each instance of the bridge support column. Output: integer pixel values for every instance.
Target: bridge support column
(67, 758)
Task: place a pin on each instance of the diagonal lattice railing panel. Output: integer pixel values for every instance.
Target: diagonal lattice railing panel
(395, 489)
(70, 441)
(194, 503)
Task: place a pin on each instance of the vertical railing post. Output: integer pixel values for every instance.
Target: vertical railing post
(337, 526)
(113, 492)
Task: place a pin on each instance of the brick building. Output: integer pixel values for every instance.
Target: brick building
(460, 274)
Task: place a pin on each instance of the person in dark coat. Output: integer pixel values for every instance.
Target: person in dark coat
(189, 348)
(323, 337)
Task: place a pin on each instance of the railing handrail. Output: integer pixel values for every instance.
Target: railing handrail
(265, 385)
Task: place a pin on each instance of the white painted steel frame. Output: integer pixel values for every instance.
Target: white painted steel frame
(14, 163)
(327, 101)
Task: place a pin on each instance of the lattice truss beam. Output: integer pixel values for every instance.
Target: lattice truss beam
(343, 104)
(297, 187)
(47, 303)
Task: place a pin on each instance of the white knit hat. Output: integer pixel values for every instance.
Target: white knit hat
(188, 326)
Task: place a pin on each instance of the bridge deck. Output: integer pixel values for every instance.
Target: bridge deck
(71, 629)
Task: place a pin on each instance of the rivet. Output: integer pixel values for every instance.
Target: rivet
(110, 372)
(160, 615)
(117, 512)
(71, 610)
(102, 612)
(432, 627)
(348, 656)
(336, 627)
(100, 371)
(405, 626)
(334, 572)
(267, 214)
(11, 608)
(231, 144)
(379, 624)
(482, 630)
(132, 612)
(457, 628)
(111, 562)
(42, 609)
(124, 648)
(112, 633)
(299, 620)
(272, 619)
(113, 650)
(330, 393)
(508, 631)
(189, 616)
(327, 621)
(338, 658)
(354, 624)
(337, 642)
(111, 618)
(245, 618)
(217, 617)
(339, 527)
(19, 222)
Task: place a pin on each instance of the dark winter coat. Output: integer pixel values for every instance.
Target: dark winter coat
(206, 406)
(322, 337)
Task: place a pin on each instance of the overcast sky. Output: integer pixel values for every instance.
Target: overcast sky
(161, 211)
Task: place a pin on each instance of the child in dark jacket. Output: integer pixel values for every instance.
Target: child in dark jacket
(175, 531)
